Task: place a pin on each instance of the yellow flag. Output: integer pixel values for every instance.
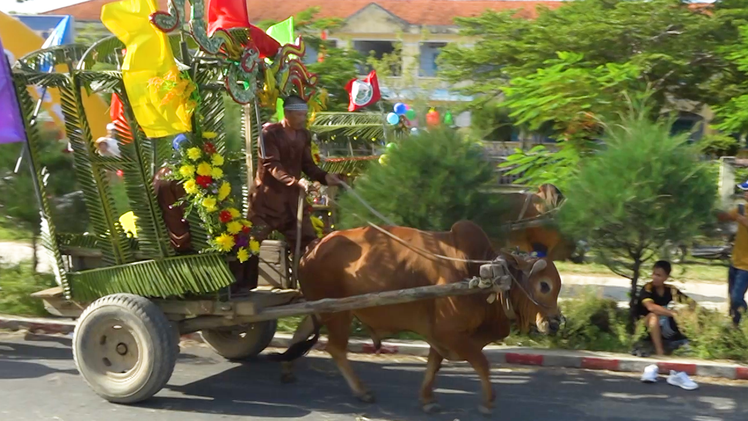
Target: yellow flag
(148, 57)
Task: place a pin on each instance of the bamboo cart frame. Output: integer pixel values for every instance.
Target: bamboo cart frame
(135, 294)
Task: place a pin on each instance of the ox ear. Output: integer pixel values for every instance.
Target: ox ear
(538, 266)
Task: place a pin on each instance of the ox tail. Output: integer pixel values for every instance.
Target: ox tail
(298, 349)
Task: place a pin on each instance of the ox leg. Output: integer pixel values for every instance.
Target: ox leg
(480, 364)
(338, 329)
(304, 331)
(427, 388)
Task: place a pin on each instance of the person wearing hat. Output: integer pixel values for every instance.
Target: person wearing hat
(284, 153)
(737, 284)
(107, 145)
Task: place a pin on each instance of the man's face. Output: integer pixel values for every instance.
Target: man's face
(296, 119)
(745, 195)
(659, 277)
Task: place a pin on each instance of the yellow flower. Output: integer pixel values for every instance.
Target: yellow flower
(234, 213)
(209, 135)
(210, 204)
(217, 159)
(234, 227)
(194, 153)
(190, 187)
(204, 169)
(217, 173)
(254, 246)
(242, 255)
(224, 191)
(187, 171)
(246, 223)
(225, 242)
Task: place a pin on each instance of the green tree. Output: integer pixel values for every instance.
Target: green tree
(646, 187)
(430, 181)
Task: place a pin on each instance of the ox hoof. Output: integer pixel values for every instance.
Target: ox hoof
(485, 410)
(432, 408)
(367, 397)
(288, 378)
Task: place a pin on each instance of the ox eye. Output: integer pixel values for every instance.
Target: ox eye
(545, 288)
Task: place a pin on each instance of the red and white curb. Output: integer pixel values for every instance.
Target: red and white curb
(495, 354)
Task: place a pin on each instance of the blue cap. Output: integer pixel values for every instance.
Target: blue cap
(743, 186)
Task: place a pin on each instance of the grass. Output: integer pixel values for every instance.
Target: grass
(9, 232)
(17, 283)
(692, 270)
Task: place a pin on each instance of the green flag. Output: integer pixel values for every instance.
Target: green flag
(283, 33)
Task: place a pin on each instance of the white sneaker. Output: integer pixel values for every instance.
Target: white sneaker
(650, 373)
(681, 380)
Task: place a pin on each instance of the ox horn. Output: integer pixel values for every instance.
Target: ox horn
(539, 265)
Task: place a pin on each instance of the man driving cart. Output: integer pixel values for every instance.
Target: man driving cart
(284, 153)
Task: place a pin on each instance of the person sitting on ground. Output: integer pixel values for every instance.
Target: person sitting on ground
(654, 298)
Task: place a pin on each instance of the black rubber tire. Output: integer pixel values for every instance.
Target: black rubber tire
(151, 332)
(233, 347)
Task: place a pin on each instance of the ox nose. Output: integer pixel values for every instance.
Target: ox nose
(554, 325)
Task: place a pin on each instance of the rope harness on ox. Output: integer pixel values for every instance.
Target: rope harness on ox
(494, 274)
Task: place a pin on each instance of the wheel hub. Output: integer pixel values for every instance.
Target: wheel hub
(121, 349)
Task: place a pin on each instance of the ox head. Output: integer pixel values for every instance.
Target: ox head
(533, 298)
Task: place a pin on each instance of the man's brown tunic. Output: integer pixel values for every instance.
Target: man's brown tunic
(274, 197)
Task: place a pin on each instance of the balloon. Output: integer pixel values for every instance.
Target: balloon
(432, 117)
(400, 108)
(448, 119)
(178, 141)
(393, 118)
(391, 147)
(383, 159)
(410, 114)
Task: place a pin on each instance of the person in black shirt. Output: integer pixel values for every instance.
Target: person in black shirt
(654, 298)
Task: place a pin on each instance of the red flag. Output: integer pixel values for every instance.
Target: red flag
(363, 93)
(228, 14)
(117, 114)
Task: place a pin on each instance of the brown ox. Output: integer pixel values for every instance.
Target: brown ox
(523, 206)
(365, 260)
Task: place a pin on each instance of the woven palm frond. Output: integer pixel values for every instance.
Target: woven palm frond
(83, 241)
(68, 54)
(153, 238)
(170, 277)
(352, 166)
(49, 237)
(362, 125)
(33, 78)
(102, 51)
(93, 179)
(101, 81)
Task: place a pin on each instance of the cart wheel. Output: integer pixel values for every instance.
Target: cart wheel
(239, 342)
(124, 347)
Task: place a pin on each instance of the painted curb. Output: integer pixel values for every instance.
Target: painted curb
(495, 354)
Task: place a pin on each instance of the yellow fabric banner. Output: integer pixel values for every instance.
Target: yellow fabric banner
(149, 59)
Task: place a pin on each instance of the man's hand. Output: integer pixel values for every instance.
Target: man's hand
(304, 184)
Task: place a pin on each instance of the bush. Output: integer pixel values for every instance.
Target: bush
(429, 182)
(17, 283)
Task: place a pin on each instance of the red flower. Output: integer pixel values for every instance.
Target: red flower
(225, 216)
(209, 148)
(204, 181)
(245, 229)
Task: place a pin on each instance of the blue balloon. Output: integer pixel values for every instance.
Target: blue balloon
(400, 108)
(178, 140)
(393, 118)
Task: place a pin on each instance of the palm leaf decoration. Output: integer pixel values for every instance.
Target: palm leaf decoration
(364, 125)
(351, 166)
(49, 234)
(170, 277)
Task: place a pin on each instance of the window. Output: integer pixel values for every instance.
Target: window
(429, 51)
(378, 49)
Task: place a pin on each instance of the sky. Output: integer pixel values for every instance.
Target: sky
(35, 6)
(40, 6)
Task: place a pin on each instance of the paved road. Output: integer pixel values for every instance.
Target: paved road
(38, 381)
